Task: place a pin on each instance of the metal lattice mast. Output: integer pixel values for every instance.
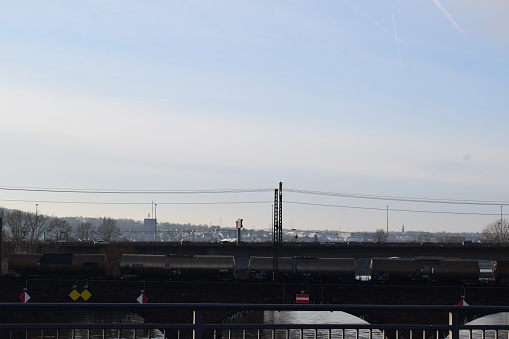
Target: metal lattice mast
(277, 232)
(280, 223)
(275, 228)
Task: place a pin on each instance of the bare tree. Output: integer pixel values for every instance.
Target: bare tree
(497, 231)
(84, 231)
(60, 228)
(380, 235)
(108, 229)
(25, 229)
(2, 237)
(38, 224)
(3, 212)
(17, 228)
(113, 257)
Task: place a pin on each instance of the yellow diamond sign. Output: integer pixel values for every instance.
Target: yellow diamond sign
(74, 294)
(86, 294)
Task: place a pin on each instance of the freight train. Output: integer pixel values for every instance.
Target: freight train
(302, 269)
(224, 268)
(425, 270)
(197, 267)
(23, 264)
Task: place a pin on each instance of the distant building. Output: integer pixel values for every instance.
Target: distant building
(403, 228)
(149, 229)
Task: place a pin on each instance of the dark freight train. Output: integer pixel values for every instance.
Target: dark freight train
(316, 269)
(424, 270)
(223, 268)
(198, 267)
(23, 264)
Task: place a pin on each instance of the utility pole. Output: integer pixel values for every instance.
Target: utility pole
(387, 223)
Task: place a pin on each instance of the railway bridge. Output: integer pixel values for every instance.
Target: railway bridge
(127, 292)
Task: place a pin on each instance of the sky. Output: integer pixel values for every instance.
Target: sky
(373, 114)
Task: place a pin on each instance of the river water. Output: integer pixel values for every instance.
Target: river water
(266, 317)
(307, 317)
(323, 317)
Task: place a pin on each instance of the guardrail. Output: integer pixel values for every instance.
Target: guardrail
(196, 326)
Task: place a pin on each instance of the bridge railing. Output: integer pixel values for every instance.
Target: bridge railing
(196, 325)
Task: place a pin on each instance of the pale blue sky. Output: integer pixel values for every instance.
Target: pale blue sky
(389, 98)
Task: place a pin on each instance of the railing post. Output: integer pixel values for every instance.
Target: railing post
(198, 324)
(454, 322)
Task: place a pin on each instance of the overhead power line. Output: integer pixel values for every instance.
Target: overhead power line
(403, 199)
(255, 190)
(113, 191)
(391, 209)
(138, 203)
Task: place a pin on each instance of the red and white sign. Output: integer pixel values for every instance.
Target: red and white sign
(302, 298)
(463, 303)
(24, 297)
(142, 299)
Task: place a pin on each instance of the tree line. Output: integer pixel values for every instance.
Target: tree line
(24, 230)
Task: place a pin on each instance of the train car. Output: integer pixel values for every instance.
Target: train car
(424, 271)
(392, 269)
(326, 269)
(26, 264)
(453, 271)
(309, 269)
(501, 272)
(197, 267)
(262, 268)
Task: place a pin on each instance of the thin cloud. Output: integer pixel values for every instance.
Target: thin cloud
(397, 42)
(376, 23)
(152, 100)
(447, 14)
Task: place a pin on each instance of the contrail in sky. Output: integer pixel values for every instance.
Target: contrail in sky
(154, 100)
(447, 15)
(376, 23)
(397, 42)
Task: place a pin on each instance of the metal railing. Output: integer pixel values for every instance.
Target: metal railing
(195, 326)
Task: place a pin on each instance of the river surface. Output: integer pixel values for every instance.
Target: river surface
(306, 317)
(266, 317)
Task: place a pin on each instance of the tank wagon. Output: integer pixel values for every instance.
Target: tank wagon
(424, 271)
(262, 268)
(89, 265)
(297, 268)
(197, 267)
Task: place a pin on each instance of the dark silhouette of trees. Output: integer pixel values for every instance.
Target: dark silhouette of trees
(108, 230)
(60, 228)
(24, 229)
(380, 235)
(496, 231)
(114, 254)
(84, 231)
